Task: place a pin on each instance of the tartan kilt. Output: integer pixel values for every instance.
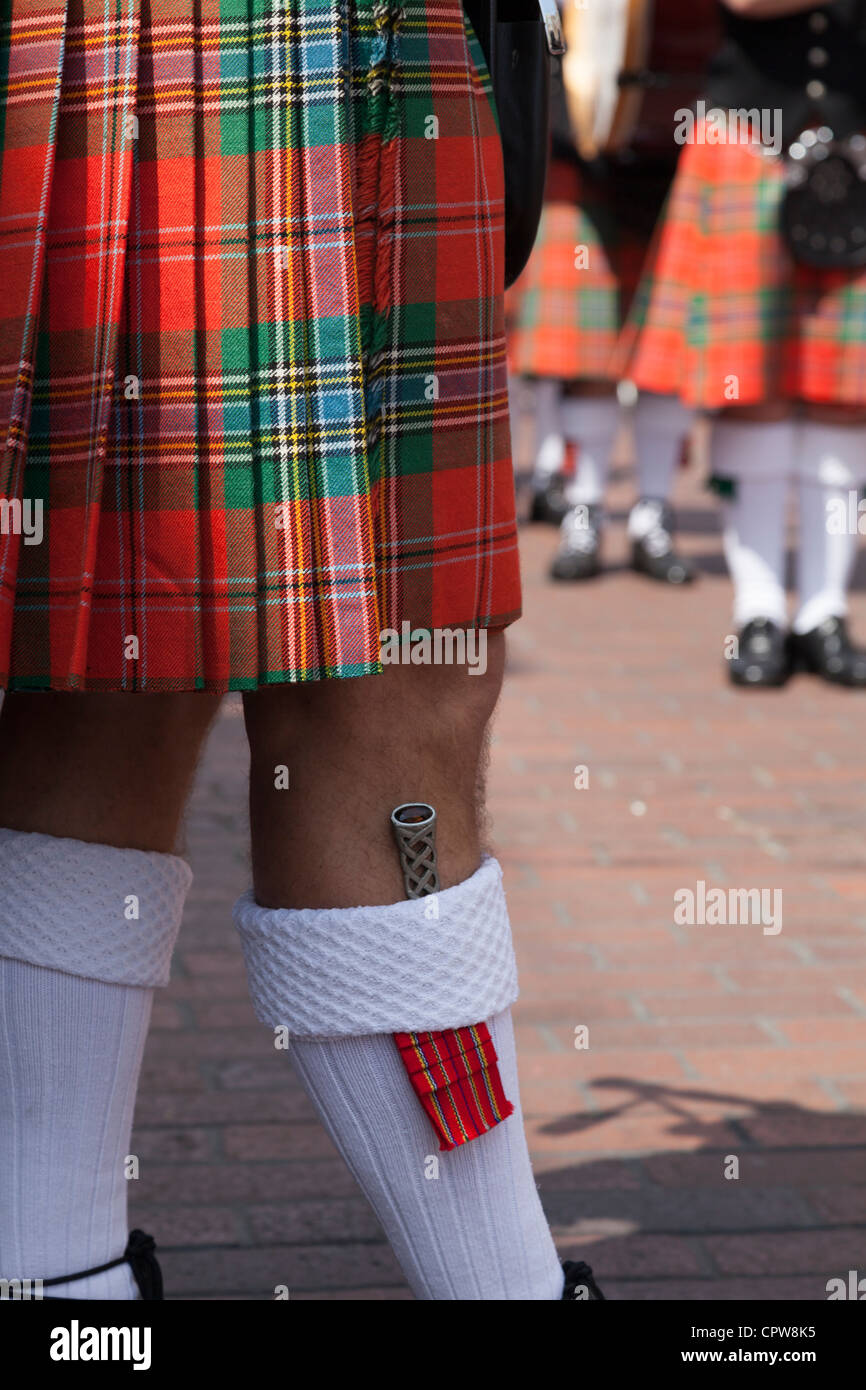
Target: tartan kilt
(566, 309)
(252, 350)
(724, 308)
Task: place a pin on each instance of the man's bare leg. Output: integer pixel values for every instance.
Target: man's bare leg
(354, 750)
(111, 769)
(92, 790)
(336, 953)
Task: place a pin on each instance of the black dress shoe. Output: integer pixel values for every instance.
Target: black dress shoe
(579, 553)
(654, 553)
(579, 1281)
(828, 651)
(764, 655)
(548, 503)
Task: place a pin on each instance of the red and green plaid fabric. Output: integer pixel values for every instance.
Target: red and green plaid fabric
(724, 307)
(564, 318)
(252, 352)
(456, 1077)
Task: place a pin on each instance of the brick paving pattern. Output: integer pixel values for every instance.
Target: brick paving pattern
(704, 1041)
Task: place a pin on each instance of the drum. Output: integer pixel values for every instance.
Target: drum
(630, 65)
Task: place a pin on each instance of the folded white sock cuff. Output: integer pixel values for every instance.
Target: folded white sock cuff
(422, 964)
(93, 910)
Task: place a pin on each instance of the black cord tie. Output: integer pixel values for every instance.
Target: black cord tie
(140, 1255)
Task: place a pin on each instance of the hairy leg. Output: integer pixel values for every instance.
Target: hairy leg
(354, 750)
(112, 769)
(87, 782)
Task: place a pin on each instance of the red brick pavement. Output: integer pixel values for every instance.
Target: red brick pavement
(705, 1041)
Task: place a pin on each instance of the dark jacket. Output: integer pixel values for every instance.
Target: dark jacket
(811, 65)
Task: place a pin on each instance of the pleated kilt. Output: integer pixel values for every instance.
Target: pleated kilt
(252, 355)
(567, 308)
(723, 308)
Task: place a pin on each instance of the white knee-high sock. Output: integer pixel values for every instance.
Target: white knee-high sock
(342, 981)
(476, 1230)
(754, 540)
(831, 466)
(86, 933)
(660, 425)
(549, 451)
(825, 556)
(591, 422)
(759, 458)
(69, 1058)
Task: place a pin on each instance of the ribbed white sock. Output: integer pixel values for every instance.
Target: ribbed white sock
(759, 457)
(831, 463)
(86, 933)
(592, 423)
(549, 452)
(660, 425)
(70, 1054)
(825, 558)
(754, 541)
(342, 981)
(465, 1225)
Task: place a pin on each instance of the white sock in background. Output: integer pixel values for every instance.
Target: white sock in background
(592, 423)
(661, 423)
(516, 407)
(549, 450)
(825, 559)
(831, 464)
(759, 457)
(754, 541)
(475, 1232)
(71, 1047)
(342, 981)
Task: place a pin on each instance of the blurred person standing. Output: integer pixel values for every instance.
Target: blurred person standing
(753, 306)
(565, 314)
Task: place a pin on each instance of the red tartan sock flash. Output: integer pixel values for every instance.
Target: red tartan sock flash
(453, 1073)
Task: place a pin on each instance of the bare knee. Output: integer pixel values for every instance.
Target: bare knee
(417, 702)
(99, 720)
(330, 761)
(113, 768)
